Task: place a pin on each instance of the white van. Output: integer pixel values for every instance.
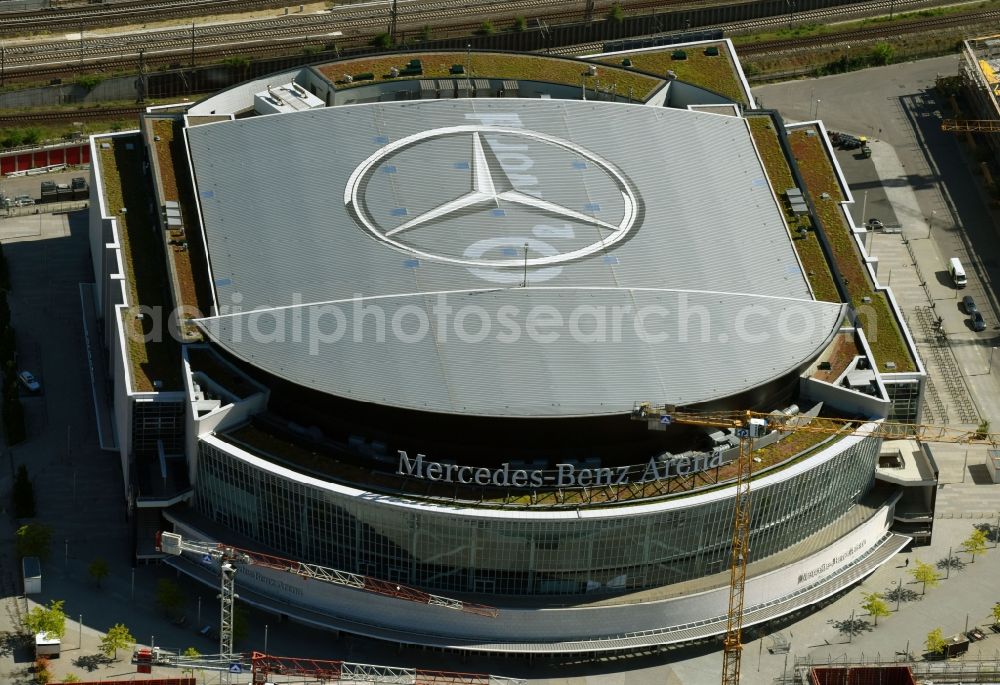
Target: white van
(957, 272)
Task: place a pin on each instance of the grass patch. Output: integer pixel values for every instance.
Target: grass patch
(488, 64)
(881, 329)
(124, 188)
(193, 291)
(807, 245)
(716, 73)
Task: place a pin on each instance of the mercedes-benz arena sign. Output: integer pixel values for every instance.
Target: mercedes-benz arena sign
(491, 189)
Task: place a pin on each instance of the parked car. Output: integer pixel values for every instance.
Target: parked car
(969, 305)
(24, 201)
(29, 381)
(978, 323)
(875, 225)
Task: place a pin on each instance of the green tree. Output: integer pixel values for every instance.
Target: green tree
(32, 136)
(190, 653)
(875, 605)
(996, 612)
(51, 619)
(43, 676)
(12, 137)
(70, 678)
(487, 28)
(882, 54)
(382, 41)
(975, 544)
(616, 13)
(925, 573)
(23, 492)
(935, 642)
(117, 637)
(982, 429)
(98, 570)
(34, 540)
(169, 597)
(88, 81)
(520, 23)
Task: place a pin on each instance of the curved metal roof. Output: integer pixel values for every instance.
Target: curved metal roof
(501, 256)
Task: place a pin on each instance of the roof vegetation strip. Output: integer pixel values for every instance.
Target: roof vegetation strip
(806, 243)
(185, 246)
(716, 73)
(876, 316)
(153, 356)
(498, 65)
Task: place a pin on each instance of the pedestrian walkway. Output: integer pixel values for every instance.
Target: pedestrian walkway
(99, 383)
(910, 263)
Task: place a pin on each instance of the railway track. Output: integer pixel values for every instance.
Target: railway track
(109, 14)
(877, 33)
(120, 53)
(123, 13)
(349, 22)
(839, 13)
(60, 116)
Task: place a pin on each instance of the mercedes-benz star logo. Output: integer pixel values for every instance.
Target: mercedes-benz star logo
(492, 189)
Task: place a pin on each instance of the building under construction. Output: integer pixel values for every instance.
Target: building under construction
(980, 72)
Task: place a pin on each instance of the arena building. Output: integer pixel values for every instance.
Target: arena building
(387, 318)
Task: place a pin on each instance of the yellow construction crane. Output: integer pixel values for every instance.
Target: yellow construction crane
(971, 125)
(749, 426)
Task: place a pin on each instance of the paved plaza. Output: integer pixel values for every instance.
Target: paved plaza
(917, 180)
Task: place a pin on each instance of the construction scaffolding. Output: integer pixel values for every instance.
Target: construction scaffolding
(267, 668)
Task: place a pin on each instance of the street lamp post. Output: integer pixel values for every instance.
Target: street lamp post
(816, 116)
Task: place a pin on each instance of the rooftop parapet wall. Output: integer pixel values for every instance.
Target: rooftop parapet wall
(712, 65)
(828, 191)
(475, 64)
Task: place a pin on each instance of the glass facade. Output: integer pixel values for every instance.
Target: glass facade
(904, 396)
(446, 551)
(154, 420)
